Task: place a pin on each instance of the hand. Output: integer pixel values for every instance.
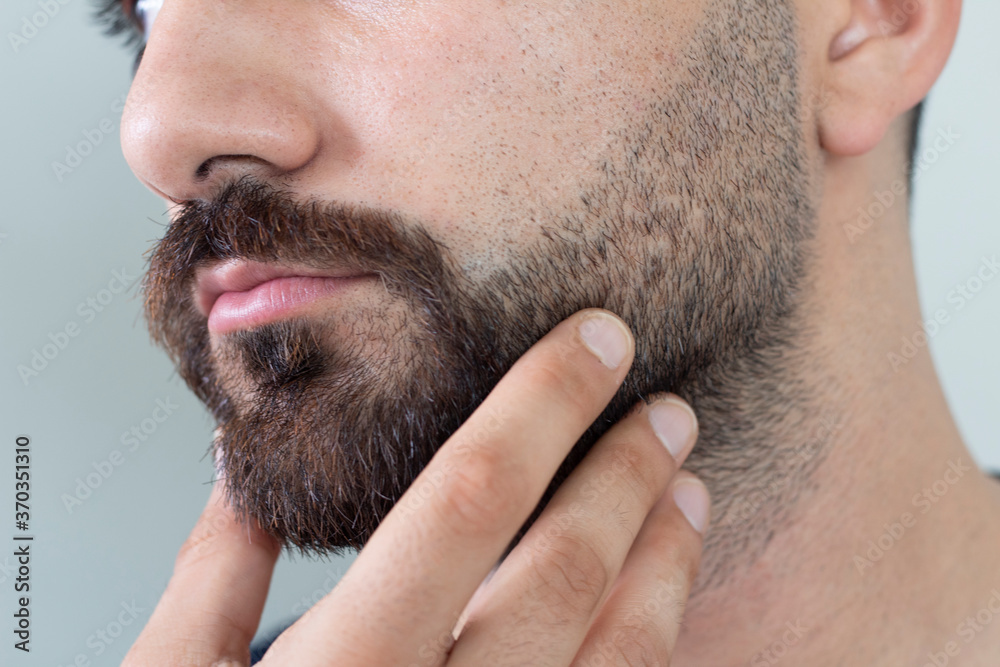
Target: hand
(600, 579)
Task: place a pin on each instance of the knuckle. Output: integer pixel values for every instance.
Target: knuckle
(193, 551)
(642, 645)
(484, 494)
(675, 567)
(689, 564)
(679, 561)
(641, 470)
(237, 638)
(564, 385)
(572, 576)
(203, 542)
(666, 599)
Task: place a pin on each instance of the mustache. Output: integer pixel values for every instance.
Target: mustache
(251, 220)
(255, 221)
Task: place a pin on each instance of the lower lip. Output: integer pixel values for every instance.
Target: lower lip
(274, 300)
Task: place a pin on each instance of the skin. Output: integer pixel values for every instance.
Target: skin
(399, 106)
(422, 567)
(688, 220)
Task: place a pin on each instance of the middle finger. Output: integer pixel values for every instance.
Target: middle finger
(539, 605)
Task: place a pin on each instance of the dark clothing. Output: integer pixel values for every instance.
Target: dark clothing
(261, 644)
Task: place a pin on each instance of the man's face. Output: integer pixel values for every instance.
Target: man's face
(490, 168)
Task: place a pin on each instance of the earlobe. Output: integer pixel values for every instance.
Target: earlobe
(880, 65)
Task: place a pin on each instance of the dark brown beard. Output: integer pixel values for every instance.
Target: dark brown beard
(316, 439)
(697, 238)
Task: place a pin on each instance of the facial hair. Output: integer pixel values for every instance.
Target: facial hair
(697, 236)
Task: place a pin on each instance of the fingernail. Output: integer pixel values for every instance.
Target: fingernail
(673, 422)
(606, 337)
(691, 497)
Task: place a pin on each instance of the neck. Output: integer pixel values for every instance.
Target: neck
(868, 536)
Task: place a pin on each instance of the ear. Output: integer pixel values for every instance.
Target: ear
(881, 64)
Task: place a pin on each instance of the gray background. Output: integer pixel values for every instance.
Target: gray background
(62, 239)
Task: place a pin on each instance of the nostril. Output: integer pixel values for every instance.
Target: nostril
(202, 172)
(234, 163)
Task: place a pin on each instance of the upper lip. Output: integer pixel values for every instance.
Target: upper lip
(237, 275)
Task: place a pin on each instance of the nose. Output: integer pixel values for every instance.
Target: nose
(217, 96)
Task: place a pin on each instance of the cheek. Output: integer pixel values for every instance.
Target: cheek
(485, 123)
(459, 114)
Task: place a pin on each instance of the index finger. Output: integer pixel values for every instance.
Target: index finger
(213, 602)
(422, 565)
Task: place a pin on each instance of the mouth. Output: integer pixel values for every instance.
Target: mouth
(238, 294)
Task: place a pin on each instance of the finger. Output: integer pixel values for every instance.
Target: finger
(640, 621)
(424, 562)
(540, 604)
(213, 602)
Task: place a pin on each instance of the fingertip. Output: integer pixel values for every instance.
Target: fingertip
(607, 336)
(692, 499)
(675, 425)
